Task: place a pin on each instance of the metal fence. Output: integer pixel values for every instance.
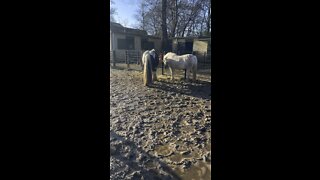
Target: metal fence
(125, 56)
(204, 60)
(134, 57)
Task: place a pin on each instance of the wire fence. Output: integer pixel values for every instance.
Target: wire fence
(204, 60)
(134, 57)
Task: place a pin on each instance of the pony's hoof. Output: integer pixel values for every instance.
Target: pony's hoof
(149, 85)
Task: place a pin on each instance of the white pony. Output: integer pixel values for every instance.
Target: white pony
(147, 52)
(149, 75)
(187, 61)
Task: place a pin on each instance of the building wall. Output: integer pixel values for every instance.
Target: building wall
(116, 37)
(157, 43)
(137, 41)
(200, 46)
(180, 45)
(174, 45)
(111, 40)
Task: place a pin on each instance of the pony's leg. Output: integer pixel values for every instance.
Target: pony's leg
(194, 72)
(188, 74)
(171, 70)
(147, 73)
(155, 76)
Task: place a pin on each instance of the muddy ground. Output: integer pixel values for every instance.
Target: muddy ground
(159, 132)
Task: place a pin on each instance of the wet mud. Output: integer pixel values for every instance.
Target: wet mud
(159, 132)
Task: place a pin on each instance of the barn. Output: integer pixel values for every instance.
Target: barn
(123, 38)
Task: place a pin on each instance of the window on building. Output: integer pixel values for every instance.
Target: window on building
(189, 47)
(126, 44)
(146, 45)
(122, 44)
(130, 42)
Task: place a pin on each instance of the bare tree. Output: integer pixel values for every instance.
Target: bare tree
(179, 17)
(172, 17)
(112, 11)
(141, 15)
(194, 11)
(148, 16)
(208, 22)
(125, 22)
(209, 19)
(202, 22)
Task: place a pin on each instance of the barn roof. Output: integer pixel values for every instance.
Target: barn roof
(118, 28)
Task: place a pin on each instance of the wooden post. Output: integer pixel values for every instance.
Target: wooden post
(162, 55)
(127, 59)
(162, 67)
(162, 64)
(204, 59)
(114, 58)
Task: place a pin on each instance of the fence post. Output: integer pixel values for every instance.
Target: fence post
(114, 58)
(164, 53)
(127, 59)
(204, 58)
(162, 68)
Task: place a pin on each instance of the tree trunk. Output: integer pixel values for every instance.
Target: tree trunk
(175, 19)
(185, 27)
(164, 34)
(203, 23)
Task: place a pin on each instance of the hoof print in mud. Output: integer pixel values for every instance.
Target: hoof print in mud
(185, 152)
(186, 164)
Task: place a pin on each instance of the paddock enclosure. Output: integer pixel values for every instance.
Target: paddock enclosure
(134, 57)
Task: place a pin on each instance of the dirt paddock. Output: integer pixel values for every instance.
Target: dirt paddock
(162, 131)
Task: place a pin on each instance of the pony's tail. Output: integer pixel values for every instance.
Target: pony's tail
(147, 72)
(141, 61)
(195, 67)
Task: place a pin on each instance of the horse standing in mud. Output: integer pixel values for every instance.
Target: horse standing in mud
(150, 63)
(187, 61)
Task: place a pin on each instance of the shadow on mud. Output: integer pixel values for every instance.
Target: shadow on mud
(134, 166)
(199, 89)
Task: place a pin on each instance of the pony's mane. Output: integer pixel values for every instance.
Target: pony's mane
(171, 54)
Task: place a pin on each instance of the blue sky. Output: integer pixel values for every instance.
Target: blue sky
(125, 11)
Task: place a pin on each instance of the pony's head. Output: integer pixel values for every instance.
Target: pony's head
(153, 53)
(165, 59)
